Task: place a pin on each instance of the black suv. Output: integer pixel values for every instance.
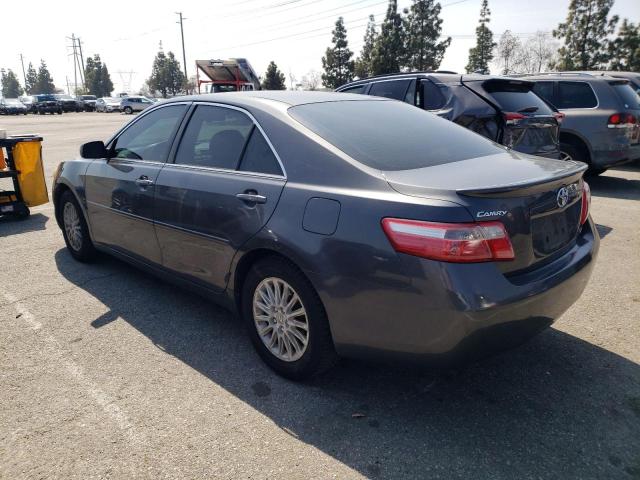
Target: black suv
(46, 103)
(68, 103)
(505, 110)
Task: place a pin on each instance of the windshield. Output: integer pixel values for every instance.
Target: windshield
(12, 101)
(628, 96)
(390, 135)
(88, 97)
(64, 97)
(46, 98)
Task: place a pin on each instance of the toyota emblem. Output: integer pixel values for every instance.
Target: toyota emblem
(563, 197)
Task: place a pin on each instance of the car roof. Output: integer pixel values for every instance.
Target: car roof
(442, 76)
(582, 76)
(287, 97)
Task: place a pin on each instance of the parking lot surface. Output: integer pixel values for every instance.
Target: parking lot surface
(107, 372)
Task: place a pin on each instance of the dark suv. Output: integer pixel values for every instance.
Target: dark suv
(46, 103)
(505, 110)
(600, 126)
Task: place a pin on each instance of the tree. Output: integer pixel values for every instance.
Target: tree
(274, 78)
(509, 51)
(311, 81)
(585, 34)
(422, 31)
(481, 55)
(44, 82)
(538, 53)
(32, 80)
(337, 64)
(166, 75)
(97, 77)
(11, 87)
(362, 67)
(389, 53)
(625, 48)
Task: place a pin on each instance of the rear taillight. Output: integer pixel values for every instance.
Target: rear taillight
(450, 242)
(511, 118)
(586, 202)
(621, 120)
(559, 116)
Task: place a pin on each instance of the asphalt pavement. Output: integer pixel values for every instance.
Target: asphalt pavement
(108, 373)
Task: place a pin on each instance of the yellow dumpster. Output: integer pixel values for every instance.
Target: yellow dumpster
(27, 156)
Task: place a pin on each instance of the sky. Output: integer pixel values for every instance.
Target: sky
(293, 33)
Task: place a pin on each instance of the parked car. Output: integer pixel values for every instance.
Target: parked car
(88, 101)
(601, 125)
(46, 103)
(12, 106)
(68, 103)
(504, 110)
(108, 104)
(28, 102)
(134, 104)
(337, 224)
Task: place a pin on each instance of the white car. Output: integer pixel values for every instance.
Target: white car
(134, 104)
(108, 104)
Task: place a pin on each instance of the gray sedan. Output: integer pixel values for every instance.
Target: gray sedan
(337, 224)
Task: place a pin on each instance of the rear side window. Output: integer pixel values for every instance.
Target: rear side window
(432, 97)
(258, 156)
(358, 89)
(214, 138)
(395, 89)
(544, 90)
(391, 135)
(576, 95)
(516, 97)
(626, 93)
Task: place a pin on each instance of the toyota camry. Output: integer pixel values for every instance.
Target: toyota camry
(337, 224)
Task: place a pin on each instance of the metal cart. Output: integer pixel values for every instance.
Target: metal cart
(12, 202)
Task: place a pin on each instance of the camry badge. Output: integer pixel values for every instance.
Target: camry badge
(563, 197)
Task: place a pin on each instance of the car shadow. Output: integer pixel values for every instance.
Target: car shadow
(614, 187)
(557, 407)
(13, 226)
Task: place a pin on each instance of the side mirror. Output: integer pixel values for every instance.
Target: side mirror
(94, 150)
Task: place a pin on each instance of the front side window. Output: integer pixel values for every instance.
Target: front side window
(358, 89)
(395, 89)
(214, 138)
(150, 137)
(576, 95)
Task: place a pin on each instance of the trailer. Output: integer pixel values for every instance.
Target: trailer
(232, 75)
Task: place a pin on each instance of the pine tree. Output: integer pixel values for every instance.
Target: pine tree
(585, 34)
(337, 64)
(625, 48)
(389, 53)
(481, 55)
(362, 67)
(422, 27)
(32, 80)
(274, 78)
(97, 77)
(166, 75)
(11, 87)
(44, 83)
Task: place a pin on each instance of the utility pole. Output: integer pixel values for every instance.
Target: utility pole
(184, 55)
(24, 75)
(84, 84)
(75, 64)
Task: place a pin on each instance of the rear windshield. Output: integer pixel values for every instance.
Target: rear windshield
(390, 135)
(516, 97)
(628, 96)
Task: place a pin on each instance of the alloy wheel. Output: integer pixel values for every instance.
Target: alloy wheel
(72, 226)
(565, 156)
(280, 319)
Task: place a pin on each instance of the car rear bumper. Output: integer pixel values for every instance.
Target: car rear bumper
(451, 313)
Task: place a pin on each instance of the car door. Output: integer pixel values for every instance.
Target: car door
(221, 188)
(120, 190)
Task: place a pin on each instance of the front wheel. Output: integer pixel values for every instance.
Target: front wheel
(286, 320)
(128, 110)
(74, 229)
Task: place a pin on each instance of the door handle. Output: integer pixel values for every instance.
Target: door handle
(251, 197)
(144, 181)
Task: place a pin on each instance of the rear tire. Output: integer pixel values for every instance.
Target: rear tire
(74, 228)
(571, 151)
(128, 110)
(305, 338)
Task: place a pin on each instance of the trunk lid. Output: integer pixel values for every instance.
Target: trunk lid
(527, 123)
(538, 200)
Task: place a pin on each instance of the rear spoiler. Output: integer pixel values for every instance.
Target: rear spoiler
(529, 187)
